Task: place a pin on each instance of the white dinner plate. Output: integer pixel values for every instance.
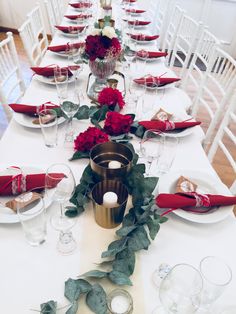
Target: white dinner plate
(7, 215)
(50, 80)
(27, 121)
(73, 35)
(60, 53)
(206, 185)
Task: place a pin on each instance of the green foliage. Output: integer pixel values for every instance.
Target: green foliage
(48, 308)
(96, 299)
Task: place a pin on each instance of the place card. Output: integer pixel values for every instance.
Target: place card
(162, 115)
(185, 185)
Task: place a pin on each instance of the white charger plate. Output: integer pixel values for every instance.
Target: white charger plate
(50, 80)
(206, 185)
(27, 121)
(7, 215)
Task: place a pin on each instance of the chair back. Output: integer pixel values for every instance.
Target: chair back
(12, 86)
(54, 12)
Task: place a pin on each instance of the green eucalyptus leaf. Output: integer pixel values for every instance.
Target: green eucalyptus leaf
(123, 138)
(49, 307)
(100, 114)
(95, 122)
(138, 240)
(124, 231)
(73, 309)
(73, 211)
(115, 247)
(119, 278)
(79, 155)
(72, 290)
(124, 262)
(83, 113)
(96, 299)
(95, 274)
(129, 219)
(163, 219)
(150, 184)
(153, 226)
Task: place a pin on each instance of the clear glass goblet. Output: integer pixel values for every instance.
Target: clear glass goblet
(180, 291)
(61, 193)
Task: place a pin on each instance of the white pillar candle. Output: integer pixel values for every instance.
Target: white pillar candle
(119, 304)
(114, 164)
(110, 199)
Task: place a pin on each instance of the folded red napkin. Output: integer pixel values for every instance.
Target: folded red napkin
(64, 47)
(153, 54)
(135, 11)
(142, 37)
(193, 202)
(131, 1)
(81, 5)
(77, 16)
(70, 29)
(49, 71)
(152, 81)
(16, 184)
(167, 125)
(141, 23)
(31, 109)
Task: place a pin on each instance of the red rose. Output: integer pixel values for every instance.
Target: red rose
(116, 123)
(111, 97)
(89, 138)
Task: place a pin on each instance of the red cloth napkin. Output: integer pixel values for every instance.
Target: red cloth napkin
(16, 184)
(80, 5)
(167, 125)
(64, 47)
(70, 29)
(161, 81)
(30, 109)
(131, 1)
(76, 16)
(139, 23)
(141, 37)
(193, 202)
(153, 54)
(135, 11)
(48, 71)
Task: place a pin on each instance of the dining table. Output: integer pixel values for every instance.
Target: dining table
(31, 275)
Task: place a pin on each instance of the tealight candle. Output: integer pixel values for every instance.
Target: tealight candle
(110, 199)
(114, 164)
(120, 302)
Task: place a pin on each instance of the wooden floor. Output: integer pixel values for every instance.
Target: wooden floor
(222, 167)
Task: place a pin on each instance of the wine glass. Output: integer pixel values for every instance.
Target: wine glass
(180, 291)
(137, 91)
(61, 193)
(151, 148)
(61, 80)
(129, 52)
(216, 276)
(70, 106)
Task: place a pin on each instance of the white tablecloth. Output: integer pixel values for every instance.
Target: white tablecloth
(30, 276)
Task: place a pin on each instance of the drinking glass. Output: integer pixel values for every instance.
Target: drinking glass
(129, 52)
(180, 290)
(48, 123)
(216, 276)
(61, 194)
(32, 217)
(61, 80)
(70, 106)
(138, 92)
(167, 155)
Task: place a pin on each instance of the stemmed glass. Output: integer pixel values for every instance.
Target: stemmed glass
(137, 91)
(129, 52)
(180, 291)
(61, 193)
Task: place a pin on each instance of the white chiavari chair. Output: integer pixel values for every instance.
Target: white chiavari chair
(199, 65)
(172, 30)
(225, 141)
(54, 12)
(12, 86)
(185, 43)
(34, 37)
(216, 92)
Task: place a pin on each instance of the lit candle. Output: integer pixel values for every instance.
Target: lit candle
(120, 304)
(110, 199)
(114, 164)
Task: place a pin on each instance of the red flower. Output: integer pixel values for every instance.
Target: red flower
(89, 138)
(111, 97)
(116, 123)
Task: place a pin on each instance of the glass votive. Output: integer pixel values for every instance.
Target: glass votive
(112, 83)
(119, 301)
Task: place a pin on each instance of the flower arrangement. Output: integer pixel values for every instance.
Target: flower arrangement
(89, 138)
(117, 124)
(102, 43)
(111, 97)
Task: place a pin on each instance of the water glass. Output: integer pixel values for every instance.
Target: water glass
(216, 276)
(32, 216)
(61, 80)
(180, 290)
(48, 123)
(167, 155)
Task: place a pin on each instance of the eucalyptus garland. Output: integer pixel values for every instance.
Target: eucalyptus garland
(139, 227)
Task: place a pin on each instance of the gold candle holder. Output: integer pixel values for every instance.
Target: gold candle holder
(101, 23)
(109, 217)
(102, 154)
(112, 83)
